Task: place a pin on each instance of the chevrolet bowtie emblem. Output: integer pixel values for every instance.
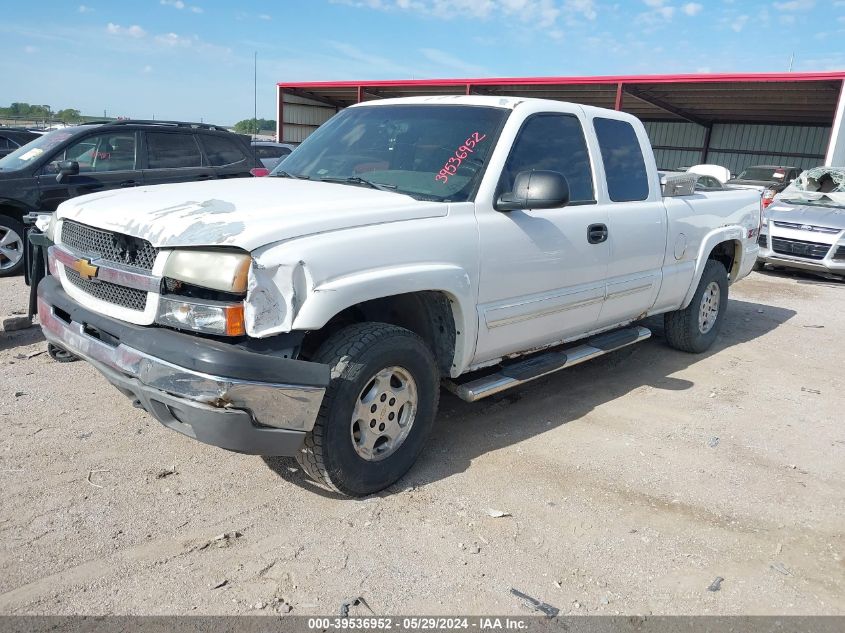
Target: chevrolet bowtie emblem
(85, 269)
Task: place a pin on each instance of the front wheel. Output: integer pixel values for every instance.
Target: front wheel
(378, 409)
(11, 246)
(695, 328)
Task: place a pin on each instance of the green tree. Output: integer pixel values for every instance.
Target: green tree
(254, 126)
(69, 115)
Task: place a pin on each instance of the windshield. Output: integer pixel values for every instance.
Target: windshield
(773, 174)
(27, 154)
(429, 152)
(824, 186)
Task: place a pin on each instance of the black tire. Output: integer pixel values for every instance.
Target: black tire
(356, 354)
(682, 328)
(10, 224)
(60, 355)
(758, 265)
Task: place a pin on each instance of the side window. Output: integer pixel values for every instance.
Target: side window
(553, 142)
(168, 150)
(7, 143)
(104, 152)
(222, 151)
(627, 179)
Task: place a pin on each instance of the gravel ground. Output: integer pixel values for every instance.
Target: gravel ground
(631, 483)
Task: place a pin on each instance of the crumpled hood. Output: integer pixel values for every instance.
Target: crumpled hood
(833, 217)
(243, 212)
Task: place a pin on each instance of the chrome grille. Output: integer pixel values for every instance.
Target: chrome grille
(112, 247)
(799, 248)
(111, 293)
(806, 227)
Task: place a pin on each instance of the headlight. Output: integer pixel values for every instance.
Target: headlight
(221, 270)
(222, 319)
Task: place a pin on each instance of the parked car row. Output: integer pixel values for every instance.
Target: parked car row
(96, 157)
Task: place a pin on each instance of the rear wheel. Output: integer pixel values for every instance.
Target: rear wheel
(11, 246)
(695, 328)
(378, 409)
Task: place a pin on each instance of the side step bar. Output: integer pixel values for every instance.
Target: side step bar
(519, 372)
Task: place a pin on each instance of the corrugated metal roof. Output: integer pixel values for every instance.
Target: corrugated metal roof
(801, 98)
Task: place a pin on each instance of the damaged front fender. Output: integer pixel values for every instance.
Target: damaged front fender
(275, 292)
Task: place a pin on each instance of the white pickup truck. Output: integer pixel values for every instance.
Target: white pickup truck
(473, 242)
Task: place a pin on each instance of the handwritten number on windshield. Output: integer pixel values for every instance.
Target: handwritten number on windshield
(451, 166)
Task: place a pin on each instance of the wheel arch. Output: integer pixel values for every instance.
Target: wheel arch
(433, 314)
(13, 209)
(724, 245)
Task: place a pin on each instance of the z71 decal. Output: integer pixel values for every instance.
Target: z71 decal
(451, 166)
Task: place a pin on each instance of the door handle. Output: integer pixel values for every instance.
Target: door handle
(203, 176)
(129, 183)
(596, 233)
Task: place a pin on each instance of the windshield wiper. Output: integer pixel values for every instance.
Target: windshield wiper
(356, 180)
(284, 174)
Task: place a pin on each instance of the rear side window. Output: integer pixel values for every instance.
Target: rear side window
(553, 142)
(222, 151)
(624, 166)
(168, 150)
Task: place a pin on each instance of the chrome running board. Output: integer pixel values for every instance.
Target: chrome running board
(513, 373)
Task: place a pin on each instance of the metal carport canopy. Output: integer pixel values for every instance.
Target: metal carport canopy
(808, 98)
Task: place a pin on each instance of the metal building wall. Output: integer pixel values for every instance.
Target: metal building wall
(737, 146)
(676, 144)
(302, 116)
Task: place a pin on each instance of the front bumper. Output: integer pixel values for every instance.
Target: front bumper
(217, 393)
(830, 264)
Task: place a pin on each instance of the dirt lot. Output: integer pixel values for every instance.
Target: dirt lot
(633, 482)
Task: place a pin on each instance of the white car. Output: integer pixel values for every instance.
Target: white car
(805, 227)
(477, 242)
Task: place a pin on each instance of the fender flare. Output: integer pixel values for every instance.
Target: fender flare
(731, 233)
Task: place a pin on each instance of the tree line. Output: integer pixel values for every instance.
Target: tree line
(36, 112)
(254, 126)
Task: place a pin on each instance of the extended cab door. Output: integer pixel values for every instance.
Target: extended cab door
(636, 218)
(174, 157)
(107, 160)
(543, 272)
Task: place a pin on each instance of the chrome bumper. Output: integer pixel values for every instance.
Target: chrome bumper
(173, 377)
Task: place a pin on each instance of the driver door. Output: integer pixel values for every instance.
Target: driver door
(106, 161)
(542, 276)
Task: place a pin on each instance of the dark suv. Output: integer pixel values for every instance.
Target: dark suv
(95, 157)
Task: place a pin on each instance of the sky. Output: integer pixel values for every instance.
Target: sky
(193, 59)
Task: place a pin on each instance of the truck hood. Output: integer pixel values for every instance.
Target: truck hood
(245, 212)
(814, 215)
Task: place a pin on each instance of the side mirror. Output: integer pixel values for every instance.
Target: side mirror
(67, 168)
(535, 189)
